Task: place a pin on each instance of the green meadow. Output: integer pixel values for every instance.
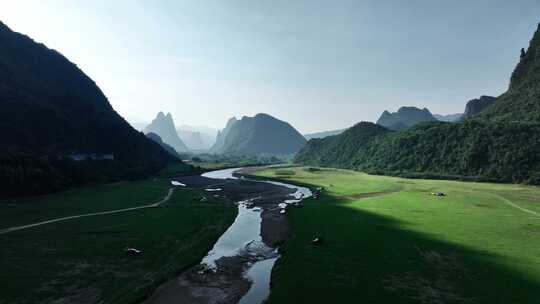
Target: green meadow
(83, 260)
(388, 240)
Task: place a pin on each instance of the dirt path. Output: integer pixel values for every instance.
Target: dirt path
(397, 189)
(16, 228)
(511, 204)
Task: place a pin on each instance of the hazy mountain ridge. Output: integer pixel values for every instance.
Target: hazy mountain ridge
(323, 134)
(196, 140)
(163, 125)
(448, 117)
(475, 106)
(222, 135)
(194, 137)
(405, 117)
(261, 134)
(198, 128)
(154, 137)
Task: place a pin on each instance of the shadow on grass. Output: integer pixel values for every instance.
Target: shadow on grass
(83, 261)
(370, 258)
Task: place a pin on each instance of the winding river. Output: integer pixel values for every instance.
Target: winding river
(243, 237)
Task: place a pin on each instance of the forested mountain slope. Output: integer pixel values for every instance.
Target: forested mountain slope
(53, 116)
(500, 144)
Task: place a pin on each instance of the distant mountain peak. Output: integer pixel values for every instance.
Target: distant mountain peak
(405, 117)
(477, 105)
(3, 26)
(260, 134)
(163, 125)
(231, 121)
(264, 115)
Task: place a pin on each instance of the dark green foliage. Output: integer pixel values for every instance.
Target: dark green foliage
(506, 152)
(50, 109)
(220, 160)
(283, 172)
(177, 168)
(83, 261)
(473, 150)
(157, 139)
(27, 173)
(341, 150)
(522, 101)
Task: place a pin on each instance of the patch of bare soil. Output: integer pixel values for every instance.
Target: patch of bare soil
(201, 286)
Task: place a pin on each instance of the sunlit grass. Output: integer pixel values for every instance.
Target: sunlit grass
(370, 239)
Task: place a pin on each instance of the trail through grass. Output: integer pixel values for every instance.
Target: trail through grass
(83, 260)
(478, 244)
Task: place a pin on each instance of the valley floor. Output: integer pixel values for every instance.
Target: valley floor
(384, 240)
(82, 260)
(389, 240)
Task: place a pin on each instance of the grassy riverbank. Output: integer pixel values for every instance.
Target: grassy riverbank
(82, 260)
(388, 240)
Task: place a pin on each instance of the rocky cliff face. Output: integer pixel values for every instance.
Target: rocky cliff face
(522, 100)
(163, 125)
(478, 105)
(405, 117)
(222, 134)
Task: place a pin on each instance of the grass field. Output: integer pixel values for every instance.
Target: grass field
(82, 260)
(176, 169)
(387, 240)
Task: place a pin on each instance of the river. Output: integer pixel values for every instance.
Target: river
(244, 237)
(239, 266)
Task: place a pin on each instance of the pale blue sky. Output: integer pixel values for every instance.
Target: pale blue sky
(317, 64)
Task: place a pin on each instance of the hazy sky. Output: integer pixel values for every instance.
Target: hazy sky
(318, 64)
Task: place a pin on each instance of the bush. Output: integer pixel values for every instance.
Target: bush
(284, 172)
